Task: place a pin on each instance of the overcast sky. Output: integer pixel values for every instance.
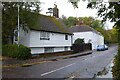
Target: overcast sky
(66, 9)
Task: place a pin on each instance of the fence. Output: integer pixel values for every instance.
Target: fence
(81, 47)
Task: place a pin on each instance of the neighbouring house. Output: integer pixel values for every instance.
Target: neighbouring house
(50, 35)
(89, 35)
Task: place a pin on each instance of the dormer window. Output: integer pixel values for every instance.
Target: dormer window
(44, 35)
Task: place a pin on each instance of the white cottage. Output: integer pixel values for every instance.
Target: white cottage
(50, 35)
(89, 35)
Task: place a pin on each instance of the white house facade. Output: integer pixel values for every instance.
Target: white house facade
(43, 42)
(88, 34)
(47, 37)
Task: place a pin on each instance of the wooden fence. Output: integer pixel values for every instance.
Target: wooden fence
(81, 47)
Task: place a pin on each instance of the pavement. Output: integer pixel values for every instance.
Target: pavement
(13, 63)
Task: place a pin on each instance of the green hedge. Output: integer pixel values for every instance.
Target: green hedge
(79, 41)
(116, 67)
(15, 51)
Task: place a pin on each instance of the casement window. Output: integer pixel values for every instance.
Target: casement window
(66, 37)
(44, 35)
(48, 49)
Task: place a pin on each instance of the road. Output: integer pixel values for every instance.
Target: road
(78, 67)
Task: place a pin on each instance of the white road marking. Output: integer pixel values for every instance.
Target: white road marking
(72, 77)
(57, 69)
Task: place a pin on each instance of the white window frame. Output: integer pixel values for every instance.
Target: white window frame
(48, 49)
(44, 35)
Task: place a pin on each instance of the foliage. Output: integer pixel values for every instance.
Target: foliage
(70, 21)
(74, 3)
(113, 35)
(79, 41)
(97, 23)
(15, 51)
(116, 67)
(89, 21)
(85, 21)
(10, 16)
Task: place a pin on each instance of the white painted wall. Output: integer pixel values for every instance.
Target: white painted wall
(40, 50)
(58, 49)
(83, 35)
(56, 40)
(32, 40)
(96, 39)
(101, 40)
(37, 50)
(24, 37)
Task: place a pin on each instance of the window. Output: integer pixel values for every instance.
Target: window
(66, 37)
(44, 36)
(15, 35)
(66, 48)
(48, 49)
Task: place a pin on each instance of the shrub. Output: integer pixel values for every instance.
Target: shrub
(116, 67)
(79, 41)
(15, 51)
(24, 52)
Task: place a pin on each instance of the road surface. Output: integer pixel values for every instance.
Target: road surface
(78, 67)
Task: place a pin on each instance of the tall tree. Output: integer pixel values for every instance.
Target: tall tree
(28, 12)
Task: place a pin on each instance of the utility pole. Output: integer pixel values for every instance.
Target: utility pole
(18, 25)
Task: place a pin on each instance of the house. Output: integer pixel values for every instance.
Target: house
(49, 35)
(89, 35)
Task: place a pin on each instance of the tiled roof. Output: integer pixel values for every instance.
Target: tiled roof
(79, 28)
(51, 24)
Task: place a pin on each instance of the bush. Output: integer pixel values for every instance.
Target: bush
(15, 51)
(116, 67)
(79, 41)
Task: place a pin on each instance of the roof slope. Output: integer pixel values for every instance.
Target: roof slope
(79, 28)
(51, 24)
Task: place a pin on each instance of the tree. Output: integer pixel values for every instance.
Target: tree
(28, 10)
(97, 23)
(79, 41)
(89, 21)
(70, 21)
(85, 21)
(113, 35)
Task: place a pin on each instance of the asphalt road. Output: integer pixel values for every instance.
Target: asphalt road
(78, 67)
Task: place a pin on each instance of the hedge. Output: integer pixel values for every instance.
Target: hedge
(116, 67)
(15, 51)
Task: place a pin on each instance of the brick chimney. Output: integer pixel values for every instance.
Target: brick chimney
(55, 11)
